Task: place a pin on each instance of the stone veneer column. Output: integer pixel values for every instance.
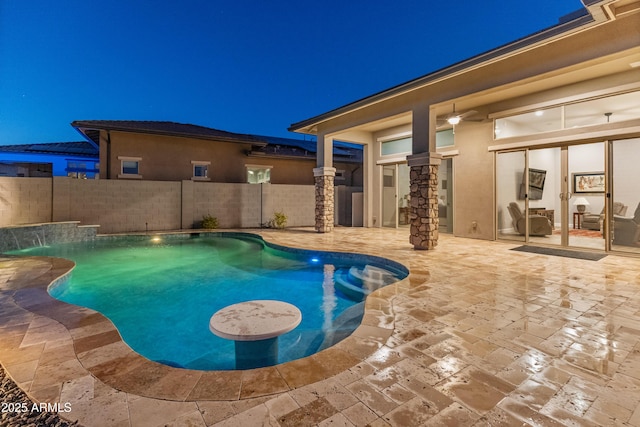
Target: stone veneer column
(324, 178)
(424, 200)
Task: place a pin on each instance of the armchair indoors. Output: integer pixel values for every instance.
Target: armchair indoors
(593, 221)
(538, 225)
(626, 231)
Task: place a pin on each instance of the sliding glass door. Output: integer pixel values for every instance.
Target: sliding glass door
(586, 210)
(624, 218)
(511, 218)
(552, 196)
(395, 195)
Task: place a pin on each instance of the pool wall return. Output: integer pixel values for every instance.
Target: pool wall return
(28, 236)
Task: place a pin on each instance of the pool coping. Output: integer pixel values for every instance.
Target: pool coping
(100, 350)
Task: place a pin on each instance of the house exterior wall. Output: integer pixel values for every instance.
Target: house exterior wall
(168, 158)
(562, 69)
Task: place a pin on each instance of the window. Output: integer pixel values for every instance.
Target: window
(396, 146)
(404, 145)
(200, 170)
(130, 167)
(81, 169)
(588, 112)
(529, 123)
(258, 174)
(445, 138)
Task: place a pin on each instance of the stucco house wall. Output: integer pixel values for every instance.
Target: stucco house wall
(583, 57)
(169, 158)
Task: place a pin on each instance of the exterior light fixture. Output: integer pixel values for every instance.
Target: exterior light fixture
(539, 113)
(453, 120)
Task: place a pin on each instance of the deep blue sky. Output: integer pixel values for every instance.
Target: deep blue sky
(248, 66)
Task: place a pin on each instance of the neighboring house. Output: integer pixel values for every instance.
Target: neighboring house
(168, 151)
(562, 104)
(75, 159)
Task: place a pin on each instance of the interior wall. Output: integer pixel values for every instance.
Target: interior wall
(586, 158)
(547, 159)
(509, 170)
(626, 173)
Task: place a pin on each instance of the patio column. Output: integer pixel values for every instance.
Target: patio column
(423, 179)
(324, 176)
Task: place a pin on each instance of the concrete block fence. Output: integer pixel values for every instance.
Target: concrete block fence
(130, 206)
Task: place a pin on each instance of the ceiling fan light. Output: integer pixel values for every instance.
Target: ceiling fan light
(453, 120)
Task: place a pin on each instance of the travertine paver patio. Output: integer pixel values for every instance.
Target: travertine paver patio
(476, 335)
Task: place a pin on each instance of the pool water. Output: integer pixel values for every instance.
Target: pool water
(161, 293)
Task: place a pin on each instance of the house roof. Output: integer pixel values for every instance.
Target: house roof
(264, 146)
(75, 149)
(91, 128)
(571, 22)
(299, 148)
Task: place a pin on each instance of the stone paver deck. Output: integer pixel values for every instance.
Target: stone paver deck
(476, 335)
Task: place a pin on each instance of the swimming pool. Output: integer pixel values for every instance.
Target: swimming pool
(160, 292)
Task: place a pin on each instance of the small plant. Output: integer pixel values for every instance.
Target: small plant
(279, 220)
(209, 221)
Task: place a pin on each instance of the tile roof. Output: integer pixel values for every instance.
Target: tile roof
(261, 145)
(76, 148)
(300, 148)
(163, 128)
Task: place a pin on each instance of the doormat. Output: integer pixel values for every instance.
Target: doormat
(591, 256)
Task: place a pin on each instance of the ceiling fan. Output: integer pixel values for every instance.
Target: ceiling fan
(454, 118)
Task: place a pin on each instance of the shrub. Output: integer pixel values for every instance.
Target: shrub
(279, 220)
(209, 221)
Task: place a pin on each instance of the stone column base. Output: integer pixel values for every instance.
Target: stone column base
(324, 182)
(424, 200)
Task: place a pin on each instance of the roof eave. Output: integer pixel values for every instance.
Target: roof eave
(80, 126)
(500, 53)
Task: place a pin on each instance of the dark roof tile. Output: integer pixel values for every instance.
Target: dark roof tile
(165, 128)
(76, 148)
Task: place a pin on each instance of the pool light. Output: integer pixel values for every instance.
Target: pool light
(315, 260)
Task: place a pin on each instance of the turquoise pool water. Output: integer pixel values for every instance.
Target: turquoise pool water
(160, 292)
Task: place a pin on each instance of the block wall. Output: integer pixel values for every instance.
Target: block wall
(25, 200)
(297, 202)
(119, 206)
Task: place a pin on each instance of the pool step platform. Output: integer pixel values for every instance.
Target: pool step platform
(343, 325)
(356, 283)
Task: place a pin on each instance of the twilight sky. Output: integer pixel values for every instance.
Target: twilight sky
(245, 66)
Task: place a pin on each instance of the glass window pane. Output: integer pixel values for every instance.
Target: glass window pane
(529, 123)
(604, 110)
(130, 167)
(396, 146)
(200, 170)
(444, 138)
(625, 218)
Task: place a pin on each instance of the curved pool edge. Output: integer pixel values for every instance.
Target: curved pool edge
(102, 353)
